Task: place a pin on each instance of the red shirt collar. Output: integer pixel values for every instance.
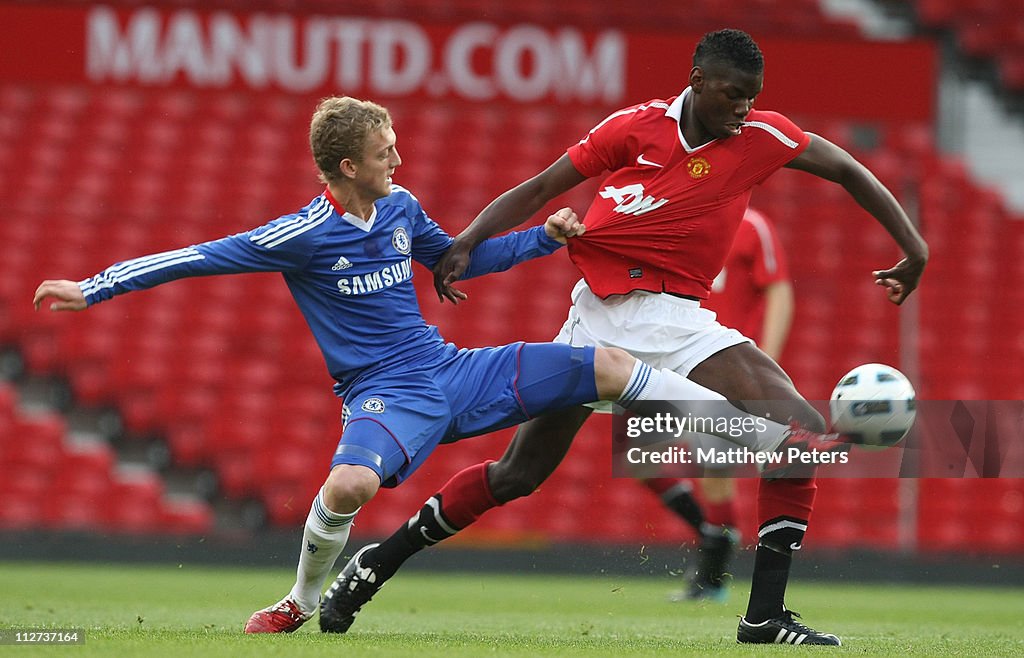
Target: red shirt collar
(334, 202)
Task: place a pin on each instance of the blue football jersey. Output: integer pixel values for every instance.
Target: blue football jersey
(351, 278)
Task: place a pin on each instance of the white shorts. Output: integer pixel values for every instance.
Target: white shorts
(662, 330)
(659, 329)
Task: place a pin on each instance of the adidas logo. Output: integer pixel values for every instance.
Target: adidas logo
(342, 264)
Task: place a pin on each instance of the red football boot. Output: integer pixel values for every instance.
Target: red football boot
(282, 617)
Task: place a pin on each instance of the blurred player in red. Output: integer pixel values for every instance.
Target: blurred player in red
(753, 294)
(657, 233)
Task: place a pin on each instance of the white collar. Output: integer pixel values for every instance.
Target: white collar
(675, 111)
(364, 224)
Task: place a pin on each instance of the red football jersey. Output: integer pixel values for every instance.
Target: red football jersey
(755, 261)
(666, 216)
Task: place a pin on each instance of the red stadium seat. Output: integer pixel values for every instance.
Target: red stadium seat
(133, 504)
(185, 517)
(20, 512)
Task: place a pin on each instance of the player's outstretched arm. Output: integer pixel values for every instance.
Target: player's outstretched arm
(826, 160)
(66, 294)
(506, 212)
(500, 253)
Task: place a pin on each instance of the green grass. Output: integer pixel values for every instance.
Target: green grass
(141, 610)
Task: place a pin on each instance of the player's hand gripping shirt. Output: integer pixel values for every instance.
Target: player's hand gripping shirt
(664, 218)
(352, 279)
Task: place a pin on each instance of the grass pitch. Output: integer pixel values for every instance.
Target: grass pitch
(188, 610)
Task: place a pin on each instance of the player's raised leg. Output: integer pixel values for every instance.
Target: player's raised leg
(537, 449)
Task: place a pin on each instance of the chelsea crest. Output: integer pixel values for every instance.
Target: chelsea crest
(400, 241)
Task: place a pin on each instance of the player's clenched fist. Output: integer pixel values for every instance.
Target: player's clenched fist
(67, 294)
(565, 223)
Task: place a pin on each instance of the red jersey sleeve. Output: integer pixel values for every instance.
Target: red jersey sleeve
(772, 142)
(606, 146)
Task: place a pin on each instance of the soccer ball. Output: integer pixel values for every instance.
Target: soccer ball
(873, 405)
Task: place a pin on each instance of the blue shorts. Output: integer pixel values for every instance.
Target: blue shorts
(392, 421)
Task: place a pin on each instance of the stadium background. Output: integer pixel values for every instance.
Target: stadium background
(202, 409)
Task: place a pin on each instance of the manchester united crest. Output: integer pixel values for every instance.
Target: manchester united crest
(698, 167)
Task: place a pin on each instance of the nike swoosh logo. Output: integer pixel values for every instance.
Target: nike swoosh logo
(640, 159)
(430, 540)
